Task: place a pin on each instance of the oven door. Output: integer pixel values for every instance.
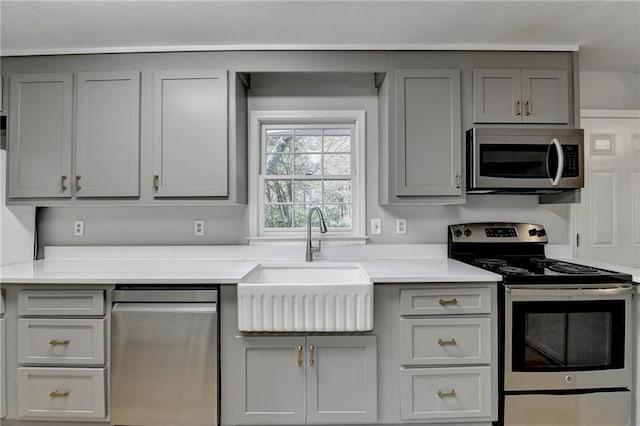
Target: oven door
(567, 338)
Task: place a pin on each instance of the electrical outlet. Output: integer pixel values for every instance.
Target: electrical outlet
(376, 226)
(78, 228)
(198, 228)
(401, 226)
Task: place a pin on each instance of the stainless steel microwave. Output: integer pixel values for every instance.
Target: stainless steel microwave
(524, 160)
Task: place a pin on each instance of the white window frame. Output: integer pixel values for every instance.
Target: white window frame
(354, 118)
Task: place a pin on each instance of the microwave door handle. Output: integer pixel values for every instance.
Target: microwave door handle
(556, 180)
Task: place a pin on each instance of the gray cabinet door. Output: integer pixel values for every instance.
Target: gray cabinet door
(273, 381)
(341, 379)
(39, 154)
(190, 142)
(108, 134)
(545, 96)
(497, 96)
(428, 132)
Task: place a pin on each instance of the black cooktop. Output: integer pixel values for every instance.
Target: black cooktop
(516, 251)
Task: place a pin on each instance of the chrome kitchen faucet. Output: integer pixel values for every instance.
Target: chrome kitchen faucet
(323, 229)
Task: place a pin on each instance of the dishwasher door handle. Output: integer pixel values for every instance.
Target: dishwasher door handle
(165, 307)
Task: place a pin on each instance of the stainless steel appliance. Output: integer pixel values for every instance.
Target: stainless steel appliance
(524, 160)
(566, 331)
(164, 356)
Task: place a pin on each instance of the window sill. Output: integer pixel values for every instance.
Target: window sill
(327, 239)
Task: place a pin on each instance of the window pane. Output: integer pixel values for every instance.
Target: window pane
(277, 216)
(308, 164)
(337, 215)
(308, 191)
(279, 140)
(277, 191)
(337, 140)
(300, 216)
(279, 164)
(308, 140)
(337, 164)
(337, 191)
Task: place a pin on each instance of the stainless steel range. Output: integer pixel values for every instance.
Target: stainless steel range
(566, 330)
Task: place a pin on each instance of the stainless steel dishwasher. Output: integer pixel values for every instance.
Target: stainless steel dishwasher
(164, 356)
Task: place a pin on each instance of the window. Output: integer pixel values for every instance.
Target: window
(306, 160)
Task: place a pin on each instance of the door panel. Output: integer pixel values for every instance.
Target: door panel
(39, 154)
(545, 96)
(608, 217)
(496, 94)
(108, 134)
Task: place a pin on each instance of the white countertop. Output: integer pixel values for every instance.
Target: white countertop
(228, 265)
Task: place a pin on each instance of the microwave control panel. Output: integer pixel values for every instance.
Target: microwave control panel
(571, 160)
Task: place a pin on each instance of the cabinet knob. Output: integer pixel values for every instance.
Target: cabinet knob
(444, 302)
(299, 350)
(78, 188)
(311, 355)
(63, 179)
(58, 394)
(518, 108)
(449, 394)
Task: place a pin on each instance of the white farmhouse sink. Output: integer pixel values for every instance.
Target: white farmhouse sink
(321, 297)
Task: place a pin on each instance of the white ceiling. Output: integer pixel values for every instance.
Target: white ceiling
(607, 33)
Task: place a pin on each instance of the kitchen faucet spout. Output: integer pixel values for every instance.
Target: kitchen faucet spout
(323, 229)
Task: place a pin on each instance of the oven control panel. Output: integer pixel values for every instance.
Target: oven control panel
(497, 233)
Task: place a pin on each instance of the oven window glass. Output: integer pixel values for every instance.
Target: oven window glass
(561, 336)
(517, 161)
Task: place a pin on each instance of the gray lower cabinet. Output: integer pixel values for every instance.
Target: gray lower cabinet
(107, 135)
(39, 151)
(190, 134)
(309, 380)
(520, 96)
(3, 366)
(61, 351)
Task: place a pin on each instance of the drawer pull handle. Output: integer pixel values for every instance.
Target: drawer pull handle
(443, 302)
(451, 342)
(56, 342)
(63, 187)
(57, 394)
(156, 183)
(299, 350)
(311, 355)
(518, 108)
(449, 394)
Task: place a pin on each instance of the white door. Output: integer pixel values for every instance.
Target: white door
(608, 217)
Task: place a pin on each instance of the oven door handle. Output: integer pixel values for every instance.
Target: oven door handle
(560, 153)
(599, 292)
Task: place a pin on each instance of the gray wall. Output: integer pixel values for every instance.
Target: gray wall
(609, 90)
(230, 225)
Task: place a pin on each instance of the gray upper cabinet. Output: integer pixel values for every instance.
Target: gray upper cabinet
(39, 154)
(428, 140)
(520, 96)
(108, 134)
(190, 134)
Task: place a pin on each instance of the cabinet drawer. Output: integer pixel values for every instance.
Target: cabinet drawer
(74, 393)
(443, 393)
(61, 341)
(61, 302)
(442, 301)
(446, 341)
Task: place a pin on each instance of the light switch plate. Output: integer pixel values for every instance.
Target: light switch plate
(376, 226)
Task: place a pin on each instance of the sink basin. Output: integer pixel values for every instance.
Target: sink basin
(320, 297)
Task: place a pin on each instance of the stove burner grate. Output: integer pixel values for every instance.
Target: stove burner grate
(490, 263)
(513, 270)
(570, 268)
